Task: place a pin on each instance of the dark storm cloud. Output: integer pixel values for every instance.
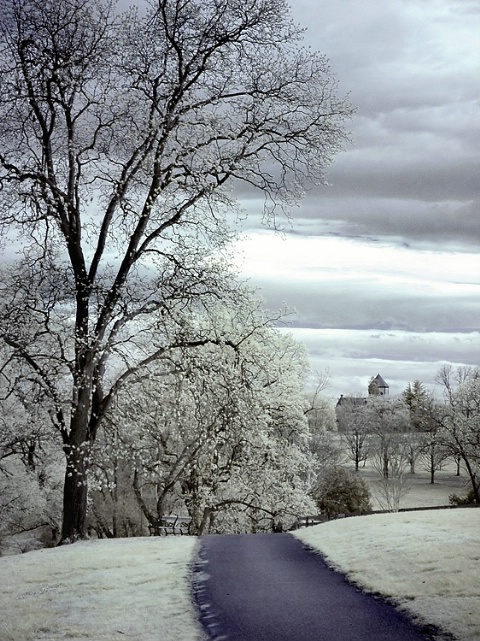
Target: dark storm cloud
(393, 346)
(367, 305)
(412, 70)
(428, 176)
(408, 222)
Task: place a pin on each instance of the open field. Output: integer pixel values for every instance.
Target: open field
(420, 493)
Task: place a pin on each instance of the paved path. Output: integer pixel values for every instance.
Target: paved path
(269, 587)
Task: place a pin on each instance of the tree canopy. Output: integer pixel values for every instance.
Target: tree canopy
(123, 136)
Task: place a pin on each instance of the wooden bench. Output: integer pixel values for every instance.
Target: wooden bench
(170, 524)
(307, 521)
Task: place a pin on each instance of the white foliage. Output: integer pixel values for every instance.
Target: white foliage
(220, 428)
(121, 133)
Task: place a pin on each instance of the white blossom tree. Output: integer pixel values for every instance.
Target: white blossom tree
(119, 135)
(218, 432)
(30, 466)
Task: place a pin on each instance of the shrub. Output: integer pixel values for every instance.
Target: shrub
(454, 499)
(342, 492)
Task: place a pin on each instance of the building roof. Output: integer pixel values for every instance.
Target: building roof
(351, 400)
(380, 381)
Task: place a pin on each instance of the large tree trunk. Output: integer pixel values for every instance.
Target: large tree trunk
(207, 518)
(385, 466)
(74, 525)
(77, 446)
(473, 479)
(432, 466)
(154, 519)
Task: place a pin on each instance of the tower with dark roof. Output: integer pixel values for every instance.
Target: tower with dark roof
(378, 387)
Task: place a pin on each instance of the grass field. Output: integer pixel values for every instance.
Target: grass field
(122, 589)
(139, 589)
(428, 562)
(419, 491)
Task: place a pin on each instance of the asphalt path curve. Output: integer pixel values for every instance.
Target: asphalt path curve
(270, 587)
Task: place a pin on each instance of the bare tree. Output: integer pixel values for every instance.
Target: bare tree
(433, 453)
(458, 419)
(430, 436)
(119, 135)
(390, 429)
(391, 447)
(354, 425)
(324, 442)
(391, 489)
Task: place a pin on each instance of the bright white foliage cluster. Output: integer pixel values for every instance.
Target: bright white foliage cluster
(218, 433)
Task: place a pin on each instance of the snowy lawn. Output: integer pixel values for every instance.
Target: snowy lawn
(428, 562)
(139, 589)
(135, 589)
(418, 490)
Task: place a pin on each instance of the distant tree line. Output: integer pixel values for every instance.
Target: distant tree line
(419, 427)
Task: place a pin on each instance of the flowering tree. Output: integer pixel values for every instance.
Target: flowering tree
(218, 432)
(30, 469)
(119, 135)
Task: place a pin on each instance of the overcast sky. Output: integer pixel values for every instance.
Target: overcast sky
(383, 266)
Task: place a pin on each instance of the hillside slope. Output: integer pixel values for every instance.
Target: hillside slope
(135, 589)
(428, 562)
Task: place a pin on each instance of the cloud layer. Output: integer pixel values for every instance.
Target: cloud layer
(382, 265)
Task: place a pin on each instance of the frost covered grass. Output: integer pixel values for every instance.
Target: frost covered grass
(427, 562)
(136, 589)
(419, 492)
(139, 589)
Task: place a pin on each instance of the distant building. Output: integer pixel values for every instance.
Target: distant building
(376, 387)
(351, 401)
